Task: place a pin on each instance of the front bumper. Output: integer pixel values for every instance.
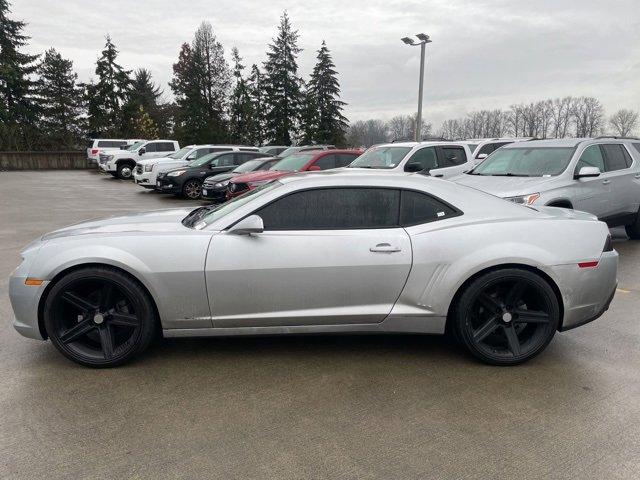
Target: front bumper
(166, 185)
(587, 292)
(143, 179)
(215, 194)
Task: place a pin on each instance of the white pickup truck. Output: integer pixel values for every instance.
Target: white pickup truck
(121, 163)
(146, 171)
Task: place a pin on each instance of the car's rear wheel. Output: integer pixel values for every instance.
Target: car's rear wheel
(125, 171)
(633, 229)
(99, 317)
(506, 317)
(192, 189)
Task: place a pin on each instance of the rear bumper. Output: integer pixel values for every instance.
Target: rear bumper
(587, 292)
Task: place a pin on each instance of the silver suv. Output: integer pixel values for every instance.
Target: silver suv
(597, 175)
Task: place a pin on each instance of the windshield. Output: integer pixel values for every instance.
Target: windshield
(526, 162)
(200, 217)
(380, 157)
(180, 153)
(135, 146)
(289, 151)
(249, 166)
(293, 163)
(203, 160)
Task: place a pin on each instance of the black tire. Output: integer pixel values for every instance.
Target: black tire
(633, 229)
(125, 171)
(99, 317)
(192, 189)
(506, 317)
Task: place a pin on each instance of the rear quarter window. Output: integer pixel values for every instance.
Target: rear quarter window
(417, 208)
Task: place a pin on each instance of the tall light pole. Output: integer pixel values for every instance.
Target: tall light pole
(424, 39)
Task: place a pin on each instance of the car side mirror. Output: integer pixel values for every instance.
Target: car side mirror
(247, 226)
(314, 168)
(481, 156)
(413, 167)
(142, 151)
(587, 172)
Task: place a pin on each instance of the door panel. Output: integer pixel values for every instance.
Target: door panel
(453, 161)
(313, 277)
(593, 193)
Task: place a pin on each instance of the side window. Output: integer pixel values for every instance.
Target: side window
(218, 149)
(486, 149)
(248, 149)
(111, 144)
(240, 158)
(344, 159)
(326, 162)
(417, 208)
(426, 158)
(269, 164)
(333, 209)
(591, 157)
(615, 157)
(225, 160)
(151, 147)
(453, 156)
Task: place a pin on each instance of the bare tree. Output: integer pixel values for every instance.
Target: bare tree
(400, 127)
(624, 122)
(588, 116)
(365, 133)
(561, 111)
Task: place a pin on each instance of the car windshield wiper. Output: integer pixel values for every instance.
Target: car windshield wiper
(508, 175)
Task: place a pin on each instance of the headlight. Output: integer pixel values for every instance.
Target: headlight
(524, 199)
(109, 158)
(177, 173)
(149, 167)
(222, 184)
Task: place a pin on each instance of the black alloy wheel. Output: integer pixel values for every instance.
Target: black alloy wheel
(99, 317)
(192, 189)
(507, 317)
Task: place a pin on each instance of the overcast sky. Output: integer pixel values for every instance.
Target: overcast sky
(485, 53)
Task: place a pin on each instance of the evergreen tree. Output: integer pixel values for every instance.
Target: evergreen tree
(60, 99)
(309, 117)
(107, 97)
(282, 85)
(190, 112)
(145, 94)
(18, 108)
(255, 88)
(144, 126)
(323, 96)
(241, 111)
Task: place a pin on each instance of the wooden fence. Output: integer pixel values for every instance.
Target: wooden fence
(69, 160)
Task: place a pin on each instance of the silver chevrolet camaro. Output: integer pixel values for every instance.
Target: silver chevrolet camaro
(323, 252)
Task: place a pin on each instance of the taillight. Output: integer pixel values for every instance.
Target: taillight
(608, 244)
(94, 151)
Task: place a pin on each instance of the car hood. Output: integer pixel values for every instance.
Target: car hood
(171, 164)
(505, 186)
(155, 221)
(221, 177)
(147, 161)
(260, 176)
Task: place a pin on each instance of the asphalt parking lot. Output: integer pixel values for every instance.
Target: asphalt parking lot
(307, 407)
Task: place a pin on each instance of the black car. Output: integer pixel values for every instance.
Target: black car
(215, 188)
(187, 181)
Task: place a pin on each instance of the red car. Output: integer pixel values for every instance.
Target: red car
(299, 162)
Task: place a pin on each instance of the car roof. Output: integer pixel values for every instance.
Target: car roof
(426, 143)
(551, 142)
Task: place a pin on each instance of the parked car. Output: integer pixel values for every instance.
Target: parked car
(121, 163)
(436, 158)
(331, 252)
(481, 148)
(304, 148)
(596, 175)
(273, 150)
(187, 181)
(215, 187)
(97, 146)
(313, 160)
(146, 171)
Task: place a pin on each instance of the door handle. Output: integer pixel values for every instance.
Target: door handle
(606, 182)
(384, 248)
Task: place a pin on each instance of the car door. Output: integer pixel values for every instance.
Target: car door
(452, 160)
(327, 256)
(624, 182)
(150, 151)
(592, 193)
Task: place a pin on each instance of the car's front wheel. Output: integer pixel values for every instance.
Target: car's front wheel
(125, 171)
(192, 189)
(507, 316)
(99, 317)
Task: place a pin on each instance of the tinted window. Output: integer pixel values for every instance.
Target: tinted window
(243, 157)
(591, 157)
(333, 209)
(426, 158)
(491, 147)
(219, 149)
(151, 147)
(224, 160)
(453, 156)
(111, 143)
(248, 149)
(420, 208)
(344, 159)
(616, 157)
(326, 162)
